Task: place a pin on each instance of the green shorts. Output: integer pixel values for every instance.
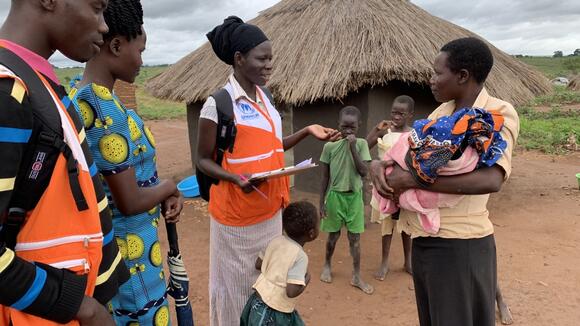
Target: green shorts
(344, 208)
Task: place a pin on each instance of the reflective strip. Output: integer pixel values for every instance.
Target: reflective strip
(6, 259)
(98, 237)
(106, 275)
(82, 135)
(33, 292)
(103, 204)
(69, 131)
(251, 158)
(7, 184)
(18, 91)
(15, 135)
(69, 264)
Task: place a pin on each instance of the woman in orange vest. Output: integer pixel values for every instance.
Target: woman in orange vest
(244, 221)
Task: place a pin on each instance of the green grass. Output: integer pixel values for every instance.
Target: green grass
(544, 131)
(149, 107)
(549, 131)
(554, 67)
(561, 96)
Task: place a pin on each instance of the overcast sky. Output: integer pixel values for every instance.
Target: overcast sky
(539, 27)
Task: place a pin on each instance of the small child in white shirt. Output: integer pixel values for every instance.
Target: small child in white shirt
(284, 267)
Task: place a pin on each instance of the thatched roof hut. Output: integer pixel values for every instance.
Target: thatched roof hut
(330, 53)
(574, 84)
(326, 49)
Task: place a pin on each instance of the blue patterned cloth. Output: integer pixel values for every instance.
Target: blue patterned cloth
(118, 139)
(434, 142)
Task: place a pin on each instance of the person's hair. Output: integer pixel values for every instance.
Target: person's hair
(350, 110)
(406, 99)
(471, 54)
(299, 218)
(124, 18)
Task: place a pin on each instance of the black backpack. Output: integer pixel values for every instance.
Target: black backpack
(225, 136)
(39, 159)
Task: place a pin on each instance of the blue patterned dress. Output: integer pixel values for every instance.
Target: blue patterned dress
(118, 139)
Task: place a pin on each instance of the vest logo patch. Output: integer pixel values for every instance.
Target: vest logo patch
(37, 165)
(248, 112)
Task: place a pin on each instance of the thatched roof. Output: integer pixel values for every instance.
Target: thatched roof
(326, 49)
(574, 84)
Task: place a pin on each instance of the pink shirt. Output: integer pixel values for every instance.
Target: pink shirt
(425, 203)
(37, 62)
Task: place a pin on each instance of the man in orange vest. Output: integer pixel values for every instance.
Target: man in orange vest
(60, 265)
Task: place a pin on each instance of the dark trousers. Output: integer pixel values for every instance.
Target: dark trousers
(455, 281)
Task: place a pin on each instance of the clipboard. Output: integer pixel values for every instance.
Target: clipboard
(285, 171)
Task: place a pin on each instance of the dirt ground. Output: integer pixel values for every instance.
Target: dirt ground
(537, 227)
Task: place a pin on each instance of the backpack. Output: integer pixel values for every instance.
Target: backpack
(40, 156)
(225, 136)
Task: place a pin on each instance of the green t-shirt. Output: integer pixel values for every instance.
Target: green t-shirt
(343, 174)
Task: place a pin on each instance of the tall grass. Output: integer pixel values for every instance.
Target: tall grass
(149, 107)
(549, 130)
(554, 67)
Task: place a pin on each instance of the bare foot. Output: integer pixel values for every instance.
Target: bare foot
(408, 268)
(505, 313)
(359, 283)
(326, 275)
(381, 273)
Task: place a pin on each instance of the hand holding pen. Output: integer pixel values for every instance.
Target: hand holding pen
(249, 186)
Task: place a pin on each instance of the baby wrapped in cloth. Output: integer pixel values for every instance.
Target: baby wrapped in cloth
(468, 139)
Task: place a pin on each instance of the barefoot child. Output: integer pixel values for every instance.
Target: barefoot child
(341, 202)
(284, 268)
(387, 133)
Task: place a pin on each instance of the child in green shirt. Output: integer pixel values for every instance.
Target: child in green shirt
(341, 200)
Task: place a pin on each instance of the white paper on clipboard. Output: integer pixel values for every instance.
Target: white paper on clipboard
(289, 170)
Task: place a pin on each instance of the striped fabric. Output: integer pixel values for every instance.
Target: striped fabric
(232, 272)
(15, 132)
(39, 286)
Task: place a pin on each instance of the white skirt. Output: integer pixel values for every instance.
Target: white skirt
(233, 251)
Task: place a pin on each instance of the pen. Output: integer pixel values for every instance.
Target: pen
(254, 187)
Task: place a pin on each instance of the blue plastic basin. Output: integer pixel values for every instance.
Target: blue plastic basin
(189, 187)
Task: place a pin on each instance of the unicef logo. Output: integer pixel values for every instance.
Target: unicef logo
(246, 109)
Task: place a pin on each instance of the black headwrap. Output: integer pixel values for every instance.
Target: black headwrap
(232, 36)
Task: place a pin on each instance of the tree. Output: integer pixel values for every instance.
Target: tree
(577, 53)
(558, 54)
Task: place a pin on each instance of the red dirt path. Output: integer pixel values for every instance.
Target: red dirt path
(537, 219)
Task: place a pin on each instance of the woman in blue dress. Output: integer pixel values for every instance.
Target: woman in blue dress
(124, 151)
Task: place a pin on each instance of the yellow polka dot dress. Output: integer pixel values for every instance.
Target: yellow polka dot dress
(118, 140)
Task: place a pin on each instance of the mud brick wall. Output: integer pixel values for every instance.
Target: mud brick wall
(126, 93)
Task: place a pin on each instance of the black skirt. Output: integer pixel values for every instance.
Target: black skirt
(455, 281)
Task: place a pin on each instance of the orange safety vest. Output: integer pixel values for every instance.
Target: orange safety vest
(257, 148)
(55, 232)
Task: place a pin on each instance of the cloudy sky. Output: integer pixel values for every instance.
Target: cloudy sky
(539, 27)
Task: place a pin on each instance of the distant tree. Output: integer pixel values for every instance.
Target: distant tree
(577, 53)
(558, 54)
